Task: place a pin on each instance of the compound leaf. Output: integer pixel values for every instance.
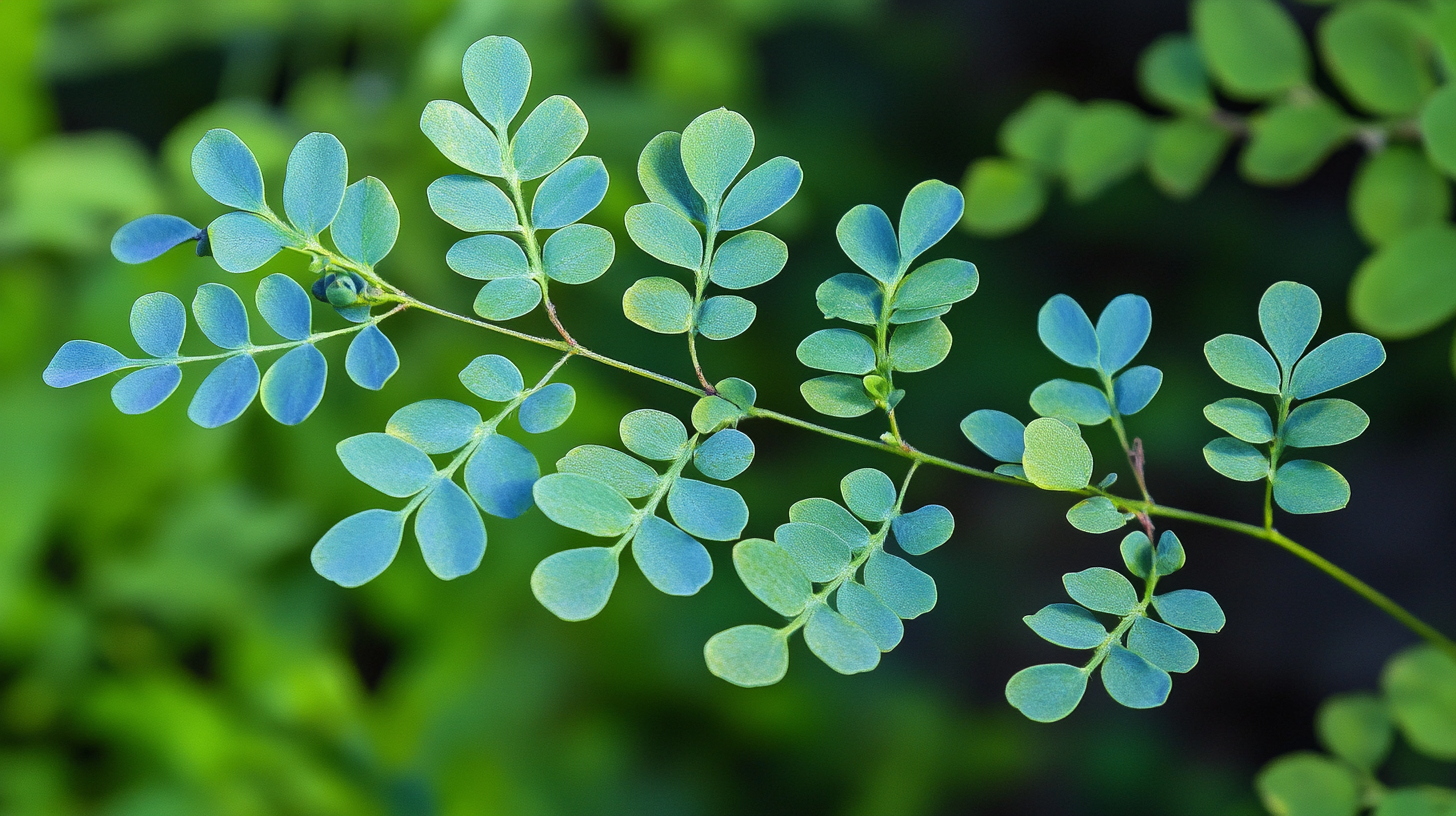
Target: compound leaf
(1305, 486)
(653, 434)
(1067, 625)
(938, 283)
(493, 377)
(575, 584)
(500, 476)
(387, 463)
(548, 137)
(665, 234)
(1048, 692)
(1101, 590)
(673, 561)
(318, 171)
(1133, 681)
(436, 425)
(225, 393)
(294, 385)
(450, 531)
(760, 193)
(368, 220)
(851, 297)
(359, 548)
(546, 409)
(922, 530)
(772, 575)
(371, 359)
(748, 655)
(568, 194)
(584, 504)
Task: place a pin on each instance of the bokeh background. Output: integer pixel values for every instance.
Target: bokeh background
(165, 647)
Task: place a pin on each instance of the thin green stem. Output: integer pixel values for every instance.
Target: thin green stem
(700, 285)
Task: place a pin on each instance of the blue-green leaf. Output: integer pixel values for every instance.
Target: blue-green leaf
(842, 350)
(851, 297)
(148, 237)
(1048, 692)
(1324, 422)
(837, 395)
(1243, 362)
(724, 455)
(706, 510)
(659, 305)
(568, 194)
(833, 517)
(294, 385)
(660, 170)
(497, 73)
(318, 170)
(1170, 557)
(653, 434)
(1236, 459)
(1067, 332)
(839, 642)
(1191, 609)
(226, 170)
(1137, 553)
(472, 204)
(626, 474)
(1162, 645)
(488, 257)
(507, 298)
(583, 504)
(580, 253)
(1076, 401)
(500, 475)
(143, 390)
(919, 346)
(371, 359)
(908, 592)
(462, 138)
(1305, 486)
(225, 393)
(1096, 515)
(938, 283)
(493, 377)
(1056, 458)
(1245, 419)
(357, 549)
(867, 238)
(760, 193)
(450, 531)
(820, 553)
(241, 241)
(546, 409)
(1101, 590)
(772, 575)
(368, 222)
(665, 234)
(715, 149)
(999, 435)
(576, 584)
(1135, 388)
(284, 306)
(435, 425)
(748, 655)
(1289, 315)
(1122, 329)
(922, 530)
(387, 463)
(748, 259)
(870, 613)
(1067, 625)
(1335, 362)
(1133, 681)
(869, 494)
(724, 317)
(158, 321)
(673, 561)
(548, 137)
(932, 209)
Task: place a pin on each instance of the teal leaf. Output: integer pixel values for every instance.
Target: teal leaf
(1122, 330)
(1076, 401)
(901, 317)
(386, 463)
(660, 170)
(318, 171)
(1289, 315)
(712, 413)
(1162, 645)
(548, 137)
(1242, 362)
(1101, 590)
(577, 254)
(143, 390)
(659, 305)
(1305, 486)
(1335, 362)
(1096, 515)
(575, 584)
(938, 283)
(359, 548)
(497, 73)
(1133, 681)
(158, 321)
(715, 149)
(472, 204)
(568, 194)
(869, 494)
(834, 518)
(1307, 783)
(1048, 692)
(1236, 459)
(489, 257)
(725, 316)
(500, 475)
(931, 211)
(1137, 554)
(908, 592)
(840, 350)
(1191, 609)
(1135, 388)
(1056, 458)
(1067, 625)
(241, 241)
(436, 425)
(371, 359)
(1170, 557)
(225, 393)
(673, 561)
(546, 409)
(771, 574)
(821, 554)
(627, 475)
(870, 613)
(284, 306)
(583, 504)
(1324, 422)
(294, 385)
(760, 193)
(450, 531)
(368, 222)
(999, 435)
(1014, 471)
(851, 297)
(226, 170)
(493, 377)
(839, 642)
(740, 393)
(837, 395)
(507, 298)
(1245, 419)
(653, 434)
(148, 237)
(748, 259)
(919, 346)
(724, 455)
(665, 234)
(750, 655)
(922, 530)
(706, 510)
(462, 138)
(1067, 332)
(867, 238)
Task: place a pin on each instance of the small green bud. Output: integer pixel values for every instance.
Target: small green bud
(342, 291)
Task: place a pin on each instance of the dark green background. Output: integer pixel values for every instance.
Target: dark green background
(165, 647)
